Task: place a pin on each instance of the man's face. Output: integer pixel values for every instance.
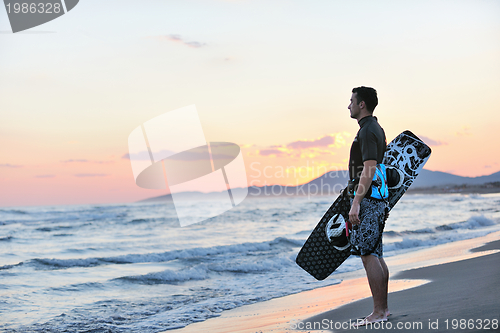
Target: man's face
(354, 107)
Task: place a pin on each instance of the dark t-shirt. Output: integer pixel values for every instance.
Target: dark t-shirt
(369, 144)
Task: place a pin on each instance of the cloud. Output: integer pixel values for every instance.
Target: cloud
(91, 175)
(195, 44)
(175, 38)
(45, 176)
(431, 142)
(179, 39)
(10, 166)
(85, 161)
(268, 152)
(304, 144)
(140, 156)
(307, 148)
(464, 131)
(72, 161)
(144, 155)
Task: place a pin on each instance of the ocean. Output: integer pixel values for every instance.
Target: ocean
(131, 268)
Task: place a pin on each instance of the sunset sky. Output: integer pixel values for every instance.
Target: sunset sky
(274, 77)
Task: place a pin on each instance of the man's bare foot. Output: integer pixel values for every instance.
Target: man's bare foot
(387, 313)
(371, 319)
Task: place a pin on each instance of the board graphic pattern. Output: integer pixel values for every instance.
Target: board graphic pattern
(318, 256)
(409, 154)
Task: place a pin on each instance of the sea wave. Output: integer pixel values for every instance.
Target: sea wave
(169, 276)
(14, 211)
(474, 222)
(4, 267)
(277, 244)
(253, 266)
(409, 243)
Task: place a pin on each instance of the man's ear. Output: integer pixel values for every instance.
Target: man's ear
(362, 104)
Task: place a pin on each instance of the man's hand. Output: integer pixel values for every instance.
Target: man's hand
(354, 213)
(364, 184)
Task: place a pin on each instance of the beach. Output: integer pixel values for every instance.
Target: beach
(131, 267)
(437, 289)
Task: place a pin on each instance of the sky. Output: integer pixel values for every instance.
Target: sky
(274, 77)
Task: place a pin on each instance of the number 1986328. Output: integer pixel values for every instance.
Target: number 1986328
(42, 8)
(464, 324)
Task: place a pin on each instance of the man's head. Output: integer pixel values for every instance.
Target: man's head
(368, 96)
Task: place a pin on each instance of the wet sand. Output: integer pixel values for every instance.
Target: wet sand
(428, 286)
(462, 296)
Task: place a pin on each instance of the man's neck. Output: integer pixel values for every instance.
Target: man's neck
(363, 115)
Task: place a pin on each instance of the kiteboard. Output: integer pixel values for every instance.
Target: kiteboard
(328, 245)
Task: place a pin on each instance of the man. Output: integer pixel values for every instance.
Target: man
(368, 215)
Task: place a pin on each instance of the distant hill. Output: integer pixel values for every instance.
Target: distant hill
(334, 181)
(429, 178)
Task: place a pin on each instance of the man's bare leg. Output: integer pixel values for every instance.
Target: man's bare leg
(377, 274)
(386, 281)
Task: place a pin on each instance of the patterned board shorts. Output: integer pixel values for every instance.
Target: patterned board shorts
(367, 237)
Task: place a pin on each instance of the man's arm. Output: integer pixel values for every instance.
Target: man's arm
(365, 181)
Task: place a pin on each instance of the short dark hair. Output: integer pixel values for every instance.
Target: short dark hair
(367, 95)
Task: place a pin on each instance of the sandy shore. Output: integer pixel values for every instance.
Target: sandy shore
(462, 296)
(429, 286)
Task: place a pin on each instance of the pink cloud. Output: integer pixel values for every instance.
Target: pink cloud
(179, 39)
(10, 166)
(85, 161)
(319, 146)
(431, 142)
(72, 160)
(305, 144)
(267, 152)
